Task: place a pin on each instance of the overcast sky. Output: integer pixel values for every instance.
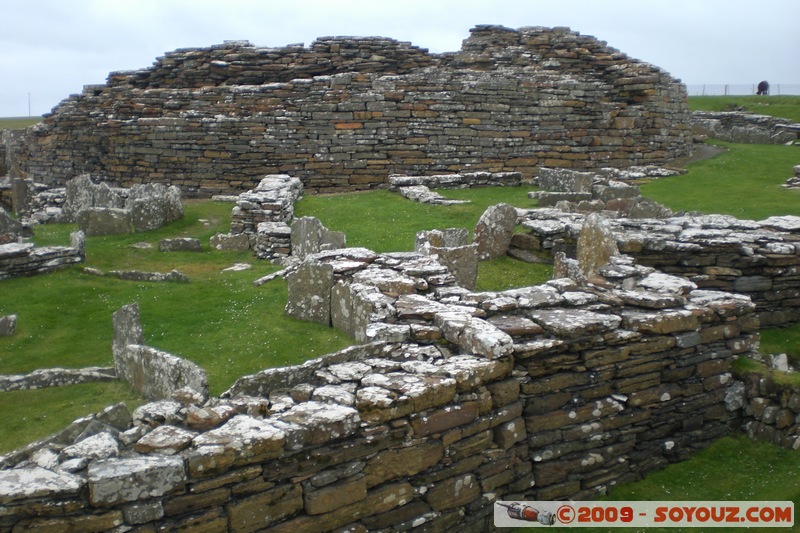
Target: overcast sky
(52, 48)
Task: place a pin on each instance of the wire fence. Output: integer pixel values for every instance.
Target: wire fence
(741, 89)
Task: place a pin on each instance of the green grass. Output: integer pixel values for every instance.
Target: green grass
(26, 416)
(776, 106)
(18, 123)
(744, 182)
(219, 320)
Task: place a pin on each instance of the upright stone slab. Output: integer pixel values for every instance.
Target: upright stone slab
(596, 244)
(494, 231)
(564, 180)
(10, 228)
(8, 324)
(104, 221)
(154, 205)
(127, 330)
(309, 290)
(462, 262)
(310, 236)
(21, 195)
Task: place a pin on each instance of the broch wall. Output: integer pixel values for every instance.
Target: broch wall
(346, 113)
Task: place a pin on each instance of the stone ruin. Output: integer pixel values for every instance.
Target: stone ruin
(345, 113)
(455, 398)
(741, 127)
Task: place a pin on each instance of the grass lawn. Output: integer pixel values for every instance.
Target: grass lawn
(776, 106)
(744, 182)
(18, 123)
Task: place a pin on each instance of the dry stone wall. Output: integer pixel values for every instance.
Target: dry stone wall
(346, 113)
(739, 127)
(543, 392)
(718, 252)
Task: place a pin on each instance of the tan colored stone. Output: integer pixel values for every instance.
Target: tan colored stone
(332, 497)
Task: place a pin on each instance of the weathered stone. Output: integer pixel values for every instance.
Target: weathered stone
(333, 497)
(309, 288)
(96, 221)
(325, 422)
(156, 374)
(575, 323)
(113, 481)
(402, 462)
(494, 230)
(262, 510)
(180, 244)
(453, 492)
(230, 242)
(247, 436)
(596, 244)
(310, 236)
(100, 446)
(8, 324)
(28, 483)
(166, 440)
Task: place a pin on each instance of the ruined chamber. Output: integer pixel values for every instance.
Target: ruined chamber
(345, 113)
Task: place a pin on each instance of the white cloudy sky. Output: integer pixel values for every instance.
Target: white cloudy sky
(52, 48)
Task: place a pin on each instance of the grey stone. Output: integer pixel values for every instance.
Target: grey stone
(130, 479)
(157, 375)
(310, 236)
(180, 244)
(36, 482)
(575, 323)
(596, 244)
(309, 292)
(441, 238)
(494, 230)
(564, 180)
(153, 205)
(127, 330)
(8, 324)
(99, 446)
(230, 242)
(564, 267)
(96, 221)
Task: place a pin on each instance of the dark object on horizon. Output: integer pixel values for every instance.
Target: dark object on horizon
(763, 88)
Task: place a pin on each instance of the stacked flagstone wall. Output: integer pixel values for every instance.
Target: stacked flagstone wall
(719, 252)
(458, 399)
(346, 113)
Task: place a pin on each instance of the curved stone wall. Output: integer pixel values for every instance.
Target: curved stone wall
(346, 113)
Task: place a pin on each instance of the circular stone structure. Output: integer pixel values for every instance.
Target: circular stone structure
(347, 112)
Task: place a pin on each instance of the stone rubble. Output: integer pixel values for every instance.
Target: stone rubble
(739, 127)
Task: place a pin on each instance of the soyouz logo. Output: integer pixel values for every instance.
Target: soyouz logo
(702, 514)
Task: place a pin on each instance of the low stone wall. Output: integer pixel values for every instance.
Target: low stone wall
(25, 259)
(739, 127)
(154, 374)
(461, 399)
(759, 259)
(55, 377)
(772, 411)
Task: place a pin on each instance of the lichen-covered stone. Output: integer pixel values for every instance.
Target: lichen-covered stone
(129, 479)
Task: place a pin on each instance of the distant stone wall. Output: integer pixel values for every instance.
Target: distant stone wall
(771, 411)
(719, 252)
(346, 113)
(739, 127)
